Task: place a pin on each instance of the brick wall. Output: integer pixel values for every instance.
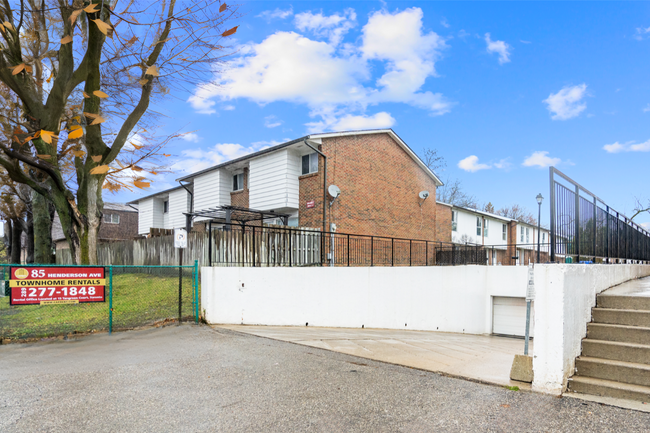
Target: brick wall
(240, 198)
(512, 244)
(379, 185)
(126, 229)
(443, 223)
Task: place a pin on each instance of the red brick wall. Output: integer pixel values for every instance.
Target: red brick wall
(379, 185)
(240, 198)
(443, 223)
(126, 229)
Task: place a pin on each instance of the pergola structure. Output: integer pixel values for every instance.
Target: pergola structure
(227, 214)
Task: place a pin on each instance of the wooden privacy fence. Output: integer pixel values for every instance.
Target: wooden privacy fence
(259, 246)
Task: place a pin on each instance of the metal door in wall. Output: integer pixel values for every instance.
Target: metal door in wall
(509, 316)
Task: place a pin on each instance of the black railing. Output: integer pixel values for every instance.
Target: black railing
(586, 228)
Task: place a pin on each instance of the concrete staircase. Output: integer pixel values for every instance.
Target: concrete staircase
(615, 359)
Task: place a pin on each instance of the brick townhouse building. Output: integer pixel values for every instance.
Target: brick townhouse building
(504, 237)
(379, 177)
(119, 222)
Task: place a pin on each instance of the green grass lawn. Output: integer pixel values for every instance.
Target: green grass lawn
(139, 299)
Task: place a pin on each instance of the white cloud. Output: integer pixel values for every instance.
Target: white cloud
(334, 81)
(503, 164)
(642, 33)
(333, 27)
(277, 13)
(191, 137)
(228, 107)
(499, 47)
(566, 103)
(630, 146)
(200, 159)
(272, 121)
(471, 164)
(646, 108)
(540, 159)
(352, 123)
(445, 23)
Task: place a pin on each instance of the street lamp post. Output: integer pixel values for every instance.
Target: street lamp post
(539, 216)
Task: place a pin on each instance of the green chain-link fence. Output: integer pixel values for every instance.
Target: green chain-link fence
(135, 296)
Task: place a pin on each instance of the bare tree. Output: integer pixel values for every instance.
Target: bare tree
(81, 128)
(432, 160)
(640, 208)
(518, 213)
(451, 192)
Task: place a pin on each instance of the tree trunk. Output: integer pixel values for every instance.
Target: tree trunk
(16, 232)
(29, 257)
(43, 216)
(8, 233)
(81, 221)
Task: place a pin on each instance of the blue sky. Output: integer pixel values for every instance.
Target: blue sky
(501, 89)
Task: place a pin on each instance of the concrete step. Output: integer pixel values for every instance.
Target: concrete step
(608, 388)
(628, 352)
(621, 317)
(620, 333)
(617, 371)
(623, 302)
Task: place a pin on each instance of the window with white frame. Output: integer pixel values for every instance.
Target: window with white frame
(527, 235)
(478, 226)
(504, 232)
(543, 238)
(238, 182)
(485, 227)
(111, 218)
(522, 234)
(454, 221)
(310, 163)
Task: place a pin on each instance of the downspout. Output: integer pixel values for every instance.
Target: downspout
(324, 184)
(188, 216)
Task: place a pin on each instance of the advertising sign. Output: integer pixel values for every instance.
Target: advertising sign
(530, 288)
(311, 204)
(56, 285)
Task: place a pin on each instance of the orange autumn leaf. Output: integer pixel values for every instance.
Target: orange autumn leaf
(50, 77)
(166, 155)
(100, 169)
(223, 7)
(96, 158)
(229, 32)
(8, 25)
(100, 94)
(136, 146)
(46, 136)
(152, 70)
(74, 15)
(98, 120)
(143, 81)
(78, 153)
(44, 156)
(66, 40)
(28, 69)
(91, 115)
(102, 26)
(17, 69)
(86, 95)
(92, 8)
(141, 184)
(76, 133)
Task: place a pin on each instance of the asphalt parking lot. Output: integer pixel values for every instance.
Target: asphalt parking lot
(195, 378)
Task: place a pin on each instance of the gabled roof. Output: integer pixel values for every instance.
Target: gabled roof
(390, 132)
(166, 191)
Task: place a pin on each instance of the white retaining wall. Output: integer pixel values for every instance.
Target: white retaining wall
(450, 298)
(565, 295)
(443, 298)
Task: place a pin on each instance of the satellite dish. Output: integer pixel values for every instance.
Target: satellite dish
(334, 191)
(424, 195)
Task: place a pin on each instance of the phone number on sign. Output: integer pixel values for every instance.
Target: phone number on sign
(56, 291)
(37, 295)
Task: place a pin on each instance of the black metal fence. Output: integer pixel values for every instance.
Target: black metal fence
(237, 245)
(586, 228)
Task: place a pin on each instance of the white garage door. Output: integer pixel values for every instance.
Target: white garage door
(509, 316)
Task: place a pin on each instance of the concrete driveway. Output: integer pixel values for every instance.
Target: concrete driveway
(481, 358)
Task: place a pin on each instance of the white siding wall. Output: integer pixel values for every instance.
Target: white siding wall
(157, 214)
(532, 238)
(177, 206)
(273, 181)
(467, 226)
(145, 215)
(212, 189)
